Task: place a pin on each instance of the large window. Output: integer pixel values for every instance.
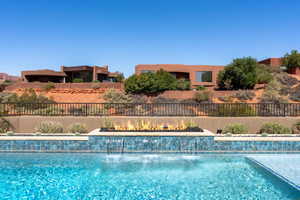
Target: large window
(204, 76)
(147, 71)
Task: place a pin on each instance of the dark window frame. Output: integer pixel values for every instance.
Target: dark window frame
(204, 79)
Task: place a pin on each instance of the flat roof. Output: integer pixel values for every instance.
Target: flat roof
(43, 72)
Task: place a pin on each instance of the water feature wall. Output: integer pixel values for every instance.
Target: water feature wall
(151, 144)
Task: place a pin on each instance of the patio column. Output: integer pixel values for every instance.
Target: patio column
(94, 73)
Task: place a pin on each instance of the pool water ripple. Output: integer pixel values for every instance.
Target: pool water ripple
(136, 177)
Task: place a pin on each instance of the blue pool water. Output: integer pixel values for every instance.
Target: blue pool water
(137, 177)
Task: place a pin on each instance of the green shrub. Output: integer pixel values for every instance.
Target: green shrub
(165, 80)
(96, 81)
(29, 100)
(244, 95)
(296, 128)
(108, 124)
(192, 126)
(49, 127)
(120, 78)
(274, 128)
(200, 88)
(49, 86)
(240, 74)
(234, 110)
(4, 84)
(226, 99)
(8, 97)
(77, 80)
(30, 97)
(292, 60)
(144, 83)
(150, 83)
(5, 125)
(78, 128)
(264, 74)
(183, 84)
(203, 96)
(114, 96)
(235, 129)
(10, 133)
(272, 97)
(285, 90)
(272, 93)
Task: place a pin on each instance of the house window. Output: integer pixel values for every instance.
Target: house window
(147, 71)
(204, 76)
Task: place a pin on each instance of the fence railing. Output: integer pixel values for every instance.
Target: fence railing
(150, 109)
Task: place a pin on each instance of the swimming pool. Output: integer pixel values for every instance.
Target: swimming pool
(137, 176)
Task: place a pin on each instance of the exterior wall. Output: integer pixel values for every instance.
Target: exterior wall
(26, 124)
(148, 144)
(277, 62)
(191, 69)
(273, 62)
(294, 70)
(66, 73)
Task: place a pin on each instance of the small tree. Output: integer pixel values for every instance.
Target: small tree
(120, 78)
(292, 60)
(151, 83)
(144, 83)
(240, 74)
(165, 81)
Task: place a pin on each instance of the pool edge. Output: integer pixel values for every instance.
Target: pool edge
(281, 177)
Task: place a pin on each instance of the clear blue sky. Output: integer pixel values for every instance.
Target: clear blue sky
(122, 33)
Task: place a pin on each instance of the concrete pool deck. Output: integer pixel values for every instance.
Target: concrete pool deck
(286, 167)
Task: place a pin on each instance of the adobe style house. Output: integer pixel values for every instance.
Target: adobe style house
(278, 62)
(89, 73)
(44, 75)
(68, 74)
(204, 75)
(272, 62)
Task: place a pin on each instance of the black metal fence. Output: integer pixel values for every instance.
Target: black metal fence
(150, 109)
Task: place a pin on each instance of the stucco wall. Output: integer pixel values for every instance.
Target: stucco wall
(26, 124)
(191, 69)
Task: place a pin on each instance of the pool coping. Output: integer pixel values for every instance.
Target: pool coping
(283, 178)
(151, 152)
(46, 138)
